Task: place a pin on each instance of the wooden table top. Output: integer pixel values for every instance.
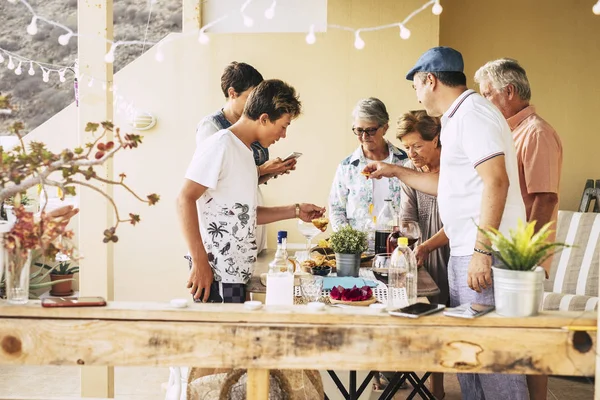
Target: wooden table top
(425, 285)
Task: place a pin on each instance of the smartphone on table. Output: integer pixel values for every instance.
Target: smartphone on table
(469, 310)
(417, 309)
(73, 302)
(292, 156)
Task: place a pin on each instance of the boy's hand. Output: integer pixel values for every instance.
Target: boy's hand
(201, 277)
(308, 212)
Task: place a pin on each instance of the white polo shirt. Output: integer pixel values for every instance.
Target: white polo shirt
(473, 131)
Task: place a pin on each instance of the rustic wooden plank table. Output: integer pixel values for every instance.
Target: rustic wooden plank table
(229, 336)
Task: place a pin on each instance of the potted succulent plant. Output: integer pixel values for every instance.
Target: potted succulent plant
(348, 244)
(519, 279)
(61, 276)
(15, 201)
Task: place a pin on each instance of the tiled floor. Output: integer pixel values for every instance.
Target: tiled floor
(145, 384)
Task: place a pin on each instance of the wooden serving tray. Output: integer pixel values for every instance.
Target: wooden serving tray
(362, 303)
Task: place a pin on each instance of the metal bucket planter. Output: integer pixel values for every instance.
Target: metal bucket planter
(347, 264)
(518, 293)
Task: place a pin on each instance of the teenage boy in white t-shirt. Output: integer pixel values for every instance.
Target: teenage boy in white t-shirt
(218, 202)
(478, 184)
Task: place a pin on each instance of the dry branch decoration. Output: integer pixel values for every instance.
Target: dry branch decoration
(24, 167)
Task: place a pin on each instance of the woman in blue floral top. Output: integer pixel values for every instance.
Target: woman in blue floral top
(354, 198)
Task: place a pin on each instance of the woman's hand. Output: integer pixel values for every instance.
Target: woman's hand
(421, 253)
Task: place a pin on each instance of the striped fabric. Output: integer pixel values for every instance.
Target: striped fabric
(573, 283)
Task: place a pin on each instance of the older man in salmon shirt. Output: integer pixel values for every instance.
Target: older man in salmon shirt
(539, 155)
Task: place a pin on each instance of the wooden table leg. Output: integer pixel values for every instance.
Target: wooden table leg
(258, 384)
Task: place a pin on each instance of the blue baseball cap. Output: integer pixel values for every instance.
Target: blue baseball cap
(438, 59)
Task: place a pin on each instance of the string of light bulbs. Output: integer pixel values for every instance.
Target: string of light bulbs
(17, 62)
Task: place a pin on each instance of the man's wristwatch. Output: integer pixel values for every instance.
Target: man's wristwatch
(297, 210)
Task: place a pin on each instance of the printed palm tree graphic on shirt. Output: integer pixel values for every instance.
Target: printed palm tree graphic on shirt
(243, 215)
(246, 274)
(216, 231)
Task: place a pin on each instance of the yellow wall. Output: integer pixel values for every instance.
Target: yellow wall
(557, 43)
(330, 76)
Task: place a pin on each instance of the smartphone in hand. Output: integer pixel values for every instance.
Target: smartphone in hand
(73, 302)
(292, 156)
(469, 310)
(417, 309)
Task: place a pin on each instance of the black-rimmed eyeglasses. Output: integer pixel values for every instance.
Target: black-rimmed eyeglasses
(367, 131)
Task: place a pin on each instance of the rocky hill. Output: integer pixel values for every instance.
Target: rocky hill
(35, 100)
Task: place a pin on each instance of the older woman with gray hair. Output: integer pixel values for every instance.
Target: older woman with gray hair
(354, 199)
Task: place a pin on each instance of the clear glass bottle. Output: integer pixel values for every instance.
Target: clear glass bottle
(280, 278)
(402, 277)
(385, 221)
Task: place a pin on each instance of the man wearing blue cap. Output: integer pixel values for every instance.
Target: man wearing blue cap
(478, 184)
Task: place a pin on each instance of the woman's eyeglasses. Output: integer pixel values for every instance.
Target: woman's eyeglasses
(368, 131)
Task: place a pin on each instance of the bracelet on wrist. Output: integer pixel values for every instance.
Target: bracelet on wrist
(297, 210)
(484, 252)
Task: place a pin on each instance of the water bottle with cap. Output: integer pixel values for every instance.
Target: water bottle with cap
(280, 279)
(402, 276)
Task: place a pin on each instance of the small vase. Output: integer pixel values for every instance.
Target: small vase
(347, 264)
(17, 276)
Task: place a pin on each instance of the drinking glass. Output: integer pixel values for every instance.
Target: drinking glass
(311, 287)
(411, 231)
(381, 261)
(309, 231)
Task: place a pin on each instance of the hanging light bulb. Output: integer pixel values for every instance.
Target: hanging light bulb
(18, 70)
(404, 32)
(12, 1)
(61, 75)
(11, 64)
(203, 37)
(596, 8)
(437, 8)
(64, 39)
(32, 29)
(45, 75)
(91, 82)
(358, 42)
(248, 21)
(310, 37)
(31, 70)
(270, 12)
(109, 58)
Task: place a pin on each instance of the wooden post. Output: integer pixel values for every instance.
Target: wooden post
(95, 26)
(258, 384)
(192, 12)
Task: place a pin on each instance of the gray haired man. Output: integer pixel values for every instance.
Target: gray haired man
(539, 155)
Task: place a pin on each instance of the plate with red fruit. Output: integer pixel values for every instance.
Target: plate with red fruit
(356, 296)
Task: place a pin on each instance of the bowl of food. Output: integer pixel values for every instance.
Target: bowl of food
(321, 270)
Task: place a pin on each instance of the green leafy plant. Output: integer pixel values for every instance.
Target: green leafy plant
(62, 268)
(522, 250)
(37, 280)
(19, 199)
(348, 240)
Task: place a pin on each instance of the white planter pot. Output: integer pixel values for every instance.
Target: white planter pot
(518, 293)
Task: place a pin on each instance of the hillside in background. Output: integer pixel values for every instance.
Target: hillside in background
(36, 100)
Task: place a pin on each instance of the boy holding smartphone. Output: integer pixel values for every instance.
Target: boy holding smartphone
(218, 202)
